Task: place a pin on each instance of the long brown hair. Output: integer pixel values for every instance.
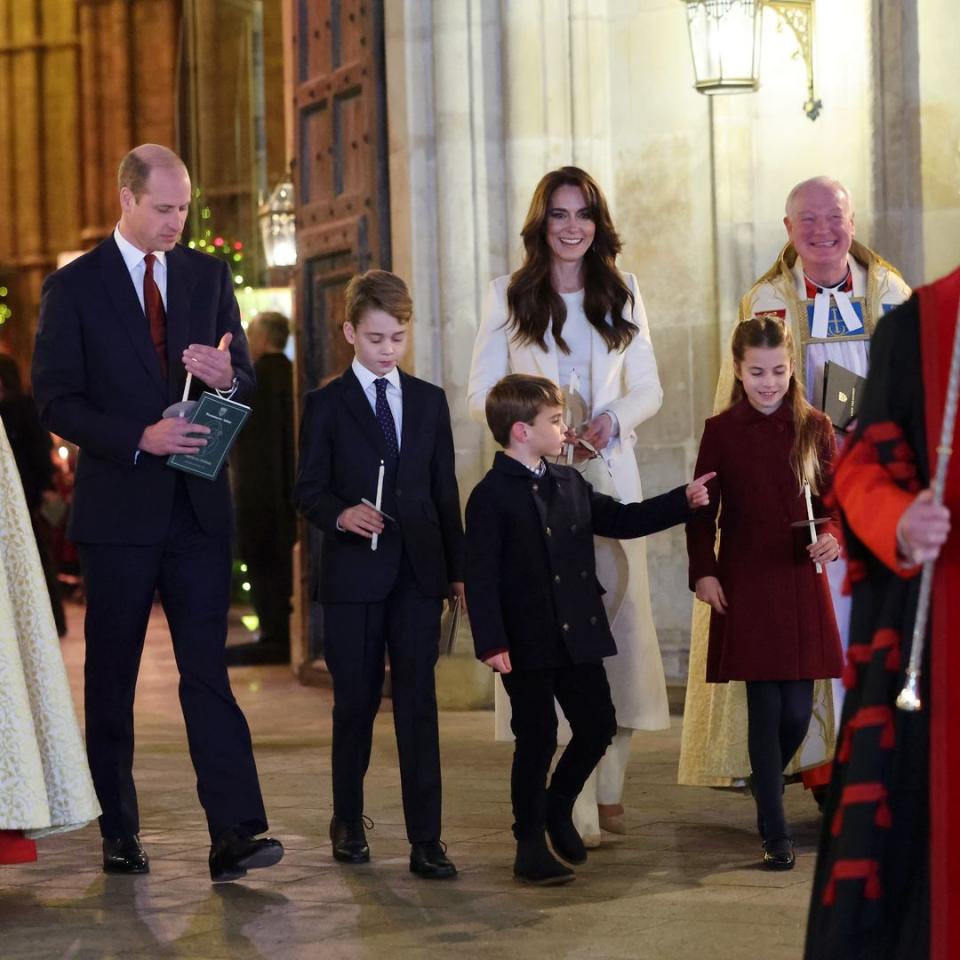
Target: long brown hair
(533, 304)
(773, 332)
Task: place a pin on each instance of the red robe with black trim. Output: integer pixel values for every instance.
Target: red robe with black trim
(882, 887)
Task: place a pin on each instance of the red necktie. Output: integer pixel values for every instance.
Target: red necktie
(156, 315)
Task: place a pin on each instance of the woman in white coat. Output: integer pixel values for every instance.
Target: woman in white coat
(568, 314)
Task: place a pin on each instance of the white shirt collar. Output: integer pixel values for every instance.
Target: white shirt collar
(366, 377)
(133, 256)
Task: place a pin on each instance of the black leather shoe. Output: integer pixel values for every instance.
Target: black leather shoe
(349, 840)
(563, 834)
(124, 855)
(429, 860)
(235, 852)
(778, 854)
(536, 865)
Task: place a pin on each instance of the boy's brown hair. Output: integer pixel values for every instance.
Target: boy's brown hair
(377, 290)
(518, 398)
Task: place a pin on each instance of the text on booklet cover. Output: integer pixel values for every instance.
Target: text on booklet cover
(224, 418)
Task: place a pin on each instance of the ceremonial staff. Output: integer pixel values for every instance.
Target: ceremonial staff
(909, 698)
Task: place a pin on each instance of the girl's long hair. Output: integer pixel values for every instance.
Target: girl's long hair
(773, 332)
(532, 303)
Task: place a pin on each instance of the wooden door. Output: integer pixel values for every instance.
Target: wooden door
(340, 142)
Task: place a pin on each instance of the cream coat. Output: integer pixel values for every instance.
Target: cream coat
(627, 384)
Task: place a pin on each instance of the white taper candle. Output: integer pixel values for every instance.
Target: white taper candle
(813, 526)
(373, 542)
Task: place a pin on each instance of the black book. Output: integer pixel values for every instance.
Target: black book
(842, 393)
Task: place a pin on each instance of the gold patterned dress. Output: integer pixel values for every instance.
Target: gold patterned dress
(45, 784)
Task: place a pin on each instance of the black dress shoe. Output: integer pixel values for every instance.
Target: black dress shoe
(778, 854)
(349, 840)
(566, 842)
(124, 855)
(536, 865)
(429, 860)
(235, 852)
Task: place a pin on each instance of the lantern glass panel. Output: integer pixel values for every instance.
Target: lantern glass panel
(725, 42)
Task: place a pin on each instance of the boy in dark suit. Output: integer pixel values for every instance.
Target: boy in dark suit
(536, 610)
(379, 435)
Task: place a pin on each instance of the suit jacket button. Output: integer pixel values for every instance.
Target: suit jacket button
(593, 621)
(583, 574)
(536, 487)
(548, 531)
(398, 493)
(566, 627)
(573, 528)
(556, 578)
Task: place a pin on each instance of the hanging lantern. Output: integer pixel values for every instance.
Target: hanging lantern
(278, 226)
(725, 43)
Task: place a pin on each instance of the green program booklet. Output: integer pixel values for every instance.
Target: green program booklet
(224, 418)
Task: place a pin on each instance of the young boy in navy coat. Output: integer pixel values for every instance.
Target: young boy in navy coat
(376, 434)
(536, 610)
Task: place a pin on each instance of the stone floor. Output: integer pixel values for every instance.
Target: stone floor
(682, 885)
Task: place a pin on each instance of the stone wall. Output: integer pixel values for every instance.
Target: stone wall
(485, 97)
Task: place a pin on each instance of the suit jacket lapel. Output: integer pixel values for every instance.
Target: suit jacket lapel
(180, 284)
(410, 431)
(128, 313)
(358, 405)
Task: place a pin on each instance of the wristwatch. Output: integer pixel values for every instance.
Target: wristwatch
(227, 394)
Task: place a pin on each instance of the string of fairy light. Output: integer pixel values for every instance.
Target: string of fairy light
(5, 312)
(209, 241)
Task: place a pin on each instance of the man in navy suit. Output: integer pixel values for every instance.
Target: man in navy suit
(379, 435)
(118, 329)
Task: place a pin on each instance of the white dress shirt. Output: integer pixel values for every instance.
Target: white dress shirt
(394, 392)
(133, 258)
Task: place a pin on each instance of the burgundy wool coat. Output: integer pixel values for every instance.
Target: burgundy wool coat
(779, 623)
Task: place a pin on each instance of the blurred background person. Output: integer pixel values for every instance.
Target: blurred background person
(263, 477)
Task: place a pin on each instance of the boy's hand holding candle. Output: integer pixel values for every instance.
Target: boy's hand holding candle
(362, 520)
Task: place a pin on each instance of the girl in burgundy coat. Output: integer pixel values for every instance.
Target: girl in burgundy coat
(772, 621)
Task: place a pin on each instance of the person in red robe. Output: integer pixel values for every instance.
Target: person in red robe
(882, 887)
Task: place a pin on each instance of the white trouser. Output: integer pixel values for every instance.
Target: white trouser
(605, 784)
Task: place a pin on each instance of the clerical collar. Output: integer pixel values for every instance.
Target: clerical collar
(840, 294)
(813, 288)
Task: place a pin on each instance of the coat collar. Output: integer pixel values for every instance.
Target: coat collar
(745, 413)
(514, 468)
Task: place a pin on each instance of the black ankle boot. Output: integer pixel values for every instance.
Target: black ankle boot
(563, 834)
(536, 865)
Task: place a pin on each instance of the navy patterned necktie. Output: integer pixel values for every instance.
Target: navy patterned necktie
(385, 418)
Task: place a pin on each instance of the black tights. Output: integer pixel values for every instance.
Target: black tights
(778, 715)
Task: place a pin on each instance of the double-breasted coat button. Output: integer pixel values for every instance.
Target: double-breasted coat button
(548, 531)
(593, 621)
(565, 627)
(556, 578)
